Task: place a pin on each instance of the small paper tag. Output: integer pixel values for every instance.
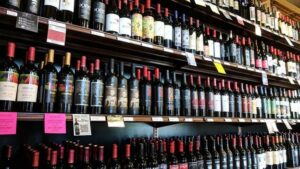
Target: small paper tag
(8, 124)
(219, 68)
(278, 121)
(288, 41)
(55, 123)
(240, 20)
(169, 50)
(98, 118)
(56, 33)
(241, 67)
(97, 33)
(257, 30)
(287, 124)
(191, 59)
(227, 120)
(148, 45)
(157, 119)
(207, 58)
(264, 78)
(269, 127)
(209, 120)
(11, 13)
(128, 118)
(82, 125)
(188, 119)
(291, 80)
(200, 2)
(274, 126)
(241, 120)
(254, 120)
(214, 9)
(225, 13)
(27, 22)
(173, 119)
(115, 121)
(298, 81)
(227, 63)
(123, 39)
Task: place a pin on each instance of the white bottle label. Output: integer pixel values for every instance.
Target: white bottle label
(67, 5)
(177, 36)
(217, 52)
(200, 44)
(159, 27)
(8, 91)
(260, 161)
(112, 22)
(125, 26)
(276, 157)
(258, 102)
(192, 43)
(269, 158)
(185, 38)
(217, 102)
(168, 35)
(211, 47)
(27, 93)
(54, 3)
(225, 103)
(252, 13)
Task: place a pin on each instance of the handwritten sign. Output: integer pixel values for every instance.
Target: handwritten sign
(55, 123)
(8, 124)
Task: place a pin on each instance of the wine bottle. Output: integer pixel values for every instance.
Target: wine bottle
(247, 152)
(222, 153)
(169, 95)
(258, 12)
(199, 38)
(247, 52)
(192, 159)
(199, 156)
(122, 92)
(209, 99)
(177, 96)
(201, 98)
(136, 22)
(231, 98)
(185, 34)
(12, 4)
(217, 100)
(250, 98)
(98, 14)
(35, 160)
(208, 164)
(159, 26)
(168, 34)
(50, 84)
(65, 86)
(148, 23)
(228, 153)
(245, 113)
(127, 163)
(161, 156)
(31, 6)
(7, 162)
(252, 11)
(141, 162)
(186, 97)
(152, 159)
(237, 100)
(194, 98)
(112, 18)
(125, 20)
(217, 45)
(71, 158)
(235, 152)
(252, 53)
(84, 12)
(50, 8)
(28, 84)
(97, 90)
(269, 153)
(82, 88)
(192, 36)
(66, 10)
(86, 159)
(158, 94)
(242, 153)
(53, 163)
(134, 96)
(172, 160)
(231, 49)
(177, 31)
(224, 101)
(145, 93)
(182, 160)
(238, 56)
(111, 84)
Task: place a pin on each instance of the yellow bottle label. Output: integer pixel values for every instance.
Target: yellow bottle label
(148, 27)
(137, 25)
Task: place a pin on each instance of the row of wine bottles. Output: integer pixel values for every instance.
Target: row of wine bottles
(94, 91)
(132, 19)
(277, 151)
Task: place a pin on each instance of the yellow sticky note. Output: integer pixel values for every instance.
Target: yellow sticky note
(220, 68)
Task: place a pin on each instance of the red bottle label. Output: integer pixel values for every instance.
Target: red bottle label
(173, 166)
(183, 166)
(264, 64)
(258, 63)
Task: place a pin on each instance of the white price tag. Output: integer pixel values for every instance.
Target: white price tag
(188, 119)
(278, 121)
(11, 13)
(173, 119)
(227, 63)
(214, 8)
(254, 120)
(288, 41)
(97, 33)
(269, 127)
(191, 59)
(240, 20)
(264, 78)
(200, 2)
(56, 33)
(242, 120)
(98, 118)
(123, 39)
(169, 50)
(291, 80)
(209, 120)
(157, 119)
(287, 124)
(148, 45)
(257, 30)
(225, 13)
(115, 121)
(207, 58)
(241, 67)
(217, 61)
(128, 118)
(227, 120)
(274, 126)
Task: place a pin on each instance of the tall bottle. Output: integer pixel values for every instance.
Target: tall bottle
(185, 34)
(134, 96)
(186, 97)
(112, 18)
(168, 34)
(65, 86)
(172, 160)
(30, 6)
(136, 22)
(159, 26)
(199, 38)
(82, 89)
(28, 84)
(111, 88)
(237, 100)
(168, 95)
(208, 164)
(127, 163)
(50, 8)
(122, 92)
(66, 10)
(158, 94)
(145, 93)
(231, 49)
(177, 96)
(152, 159)
(98, 17)
(71, 158)
(201, 98)
(194, 98)
(192, 36)
(114, 161)
(162, 157)
(245, 112)
(177, 31)
(217, 100)
(209, 99)
(84, 12)
(148, 23)
(228, 153)
(192, 159)
(252, 11)
(231, 98)
(224, 101)
(97, 90)
(182, 160)
(269, 152)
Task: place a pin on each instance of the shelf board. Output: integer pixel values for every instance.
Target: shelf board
(95, 43)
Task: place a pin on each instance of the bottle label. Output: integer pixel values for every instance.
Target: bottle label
(84, 9)
(263, 18)
(208, 164)
(170, 101)
(168, 35)
(185, 38)
(125, 26)
(216, 164)
(192, 43)
(200, 44)
(177, 36)
(276, 24)
(217, 102)
(134, 95)
(148, 97)
(111, 93)
(162, 166)
(122, 96)
(195, 100)
(275, 157)
(206, 50)
(50, 87)
(231, 103)
(243, 162)
(231, 3)
(236, 5)
(237, 162)
(187, 99)
(200, 164)
(173, 166)
(159, 27)
(8, 85)
(112, 22)
(247, 57)
(33, 6)
(244, 104)
(252, 13)
(66, 89)
(28, 87)
(253, 106)
(233, 50)
(183, 166)
(264, 64)
(99, 12)
(96, 93)
(67, 5)
(82, 91)
(258, 12)
(16, 3)
(211, 48)
(201, 99)
(269, 158)
(148, 27)
(192, 165)
(54, 3)
(284, 156)
(238, 102)
(258, 63)
(217, 50)
(177, 99)
(225, 103)
(210, 100)
(137, 24)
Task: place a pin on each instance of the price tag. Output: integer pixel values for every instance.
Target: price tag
(219, 68)
(240, 20)
(298, 81)
(254, 120)
(11, 13)
(242, 120)
(97, 33)
(241, 67)
(157, 119)
(227, 63)
(269, 127)
(274, 126)
(200, 2)
(190, 57)
(257, 30)
(227, 120)
(173, 119)
(128, 118)
(287, 124)
(262, 121)
(148, 45)
(214, 9)
(279, 121)
(298, 121)
(123, 39)
(264, 78)
(115, 121)
(291, 80)
(288, 41)
(56, 33)
(82, 125)
(8, 125)
(98, 118)
(188, 119)
(225, 13)
(169, 50)
(27, 22)
(251, 69)
(55, 123)
(209, 120)
(207, 58)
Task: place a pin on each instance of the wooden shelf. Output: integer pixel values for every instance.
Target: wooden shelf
(93, 43)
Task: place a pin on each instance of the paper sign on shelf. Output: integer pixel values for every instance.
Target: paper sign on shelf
(8, 123)
(242, 120)
(98, 118)
(157, 119)
(228, 120)
(55, 123)
(200, 2)
(288, 41)
(56, 33)
(128, 118)
(264, 78)
(148, 45)
(11, 13)
(287, 124)
(240, 20)
(207, 58)
(269, 127)
(188, 119)
(214, 8)
(291, 80)
(27, 22)
(225, 13)
(81, 125)
(115, 121)
(257, 30)
(190, 57)
(219, 68)
(173, 119)
(97, 33)
(254, 120)
(274, 126)
(209, 120)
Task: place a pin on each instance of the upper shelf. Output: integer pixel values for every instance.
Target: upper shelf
(93, 43)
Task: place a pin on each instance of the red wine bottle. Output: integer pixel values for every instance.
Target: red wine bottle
(201, 98)
(185, 34)
(182, 160)
(185, 97)
(65, 86)
(269, 152)
(114, 162)
(228, 152)
(152, 160)
(158, 94)
(168, 95)
(177, 96)
(98, 14)
(32, 6)
(67, 10)
(53, 163)
(214, 153)
(9, 72)
(242, 152)
(28, 84)
(82, 89)
(7, 158)
(122, 94)
(209, 99)
(168, 34)
(276, 155)
(177, 31)
(84, 12)
(50, 8)
(253, 152)
(127, 163)
(148, 23)
(235, 153)
(245, 112)
(71, 158)
(159, 26)
(192, 159)
(97, 90)
(136, 22)
(194, 98)
(247, 151)
(145, 93)
(134, 96)
(200, 38)
(217, 100)
(224, 100)
(237, 100)
(86, 159)
(35, 160)
(199, 156)
(125, 20)
(111, 83)
(222, 152)
(231, 100)
(112, 18)
(61, 156)
(172, 160)
(192, 36)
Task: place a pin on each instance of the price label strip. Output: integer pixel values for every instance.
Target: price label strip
(81, 125)
(27, 22)
(98, 118)
(219, 68)
(97, 33)
(173, 119)
(56, 33)
(200, 3)
(115, 121)
(225, 13)
(190, 59)
(269, 127)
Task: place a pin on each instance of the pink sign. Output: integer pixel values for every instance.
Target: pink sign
(8, 123)
(55, 123)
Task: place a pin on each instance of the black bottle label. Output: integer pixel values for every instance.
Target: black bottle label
(50, 88)
(134, 100)
(84, 9)
(99, 12)
(66, 89)
(111, 93)
(177, 98)
(170, 101)
(122, 95)
(82, 91)
(33, 6)
(96, 93)
(192, 165)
